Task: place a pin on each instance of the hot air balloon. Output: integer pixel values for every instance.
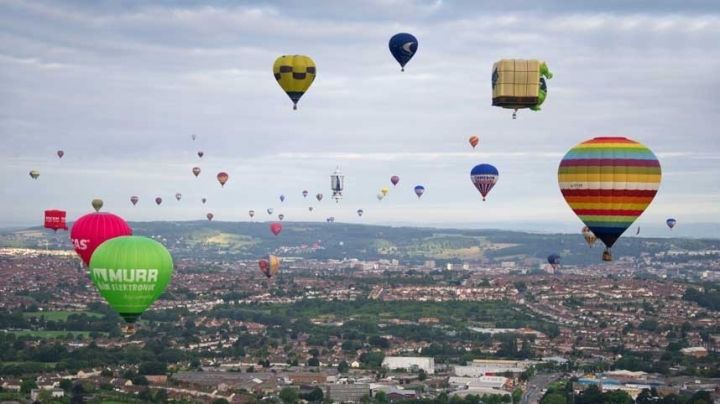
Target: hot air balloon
(670, 222)
(484, 177)
(282, 198)
(403, 47)
(222, 178)
(384, 191)
(251, 213)
(419, 190)
(337, 183)
(380, 196)
(131, 272)
(518, 83)
(158, 200)
(209, 216)
(97, 204)
(196, 171)
(60, 153)
(203, 200)
(55, 220)
(34, 174)
(360, 212)
(609, 182)
(394, 179)
(310, 208)
(134, 199)
(295, 74)
(589, 236)
(305, 193)
(553, 260)
(319, 197)
(474, 140)
(269, 265)
(193, 137)
(276, 228)
(91, 230)
(200, 154)
(281, 217)
(270, 211)
(178, 196)
(637, 231)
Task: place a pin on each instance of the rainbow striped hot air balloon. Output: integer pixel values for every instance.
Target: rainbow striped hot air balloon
(269, 265)
(609, 182)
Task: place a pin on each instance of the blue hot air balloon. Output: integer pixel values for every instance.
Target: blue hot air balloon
(671, 222)
(419, 191)
(554, 260)
(484, 177)
(403, 47)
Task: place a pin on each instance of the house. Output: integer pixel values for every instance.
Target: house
(35, 393)
(156, 379)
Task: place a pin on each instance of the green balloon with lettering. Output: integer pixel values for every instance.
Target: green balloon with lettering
(131, 272)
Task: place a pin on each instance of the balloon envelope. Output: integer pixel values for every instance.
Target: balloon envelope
(474, 140)
(295, 74)
(34, 174)
(305, 193)
(671, 222)
(394, 179)
(419, 190)
(609, 182)
(97, 204)
(209, 216)
(589, 236)
(131, 272)
(196, 171)
(269, 265)
(276, 228)
(91, 230)
(222, 178)
(158, 200)
(484, 177)
(403, 47)
(55, 220)
(134, 199)
(554, 260)
(60, 153)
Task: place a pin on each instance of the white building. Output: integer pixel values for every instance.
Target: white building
(411, 363)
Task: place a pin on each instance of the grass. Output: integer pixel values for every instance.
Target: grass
(49, 365)
(59, 315)
(49, 334)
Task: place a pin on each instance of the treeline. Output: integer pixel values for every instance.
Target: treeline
(709, 298)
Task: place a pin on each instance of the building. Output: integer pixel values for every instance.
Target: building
(347, 393)
(55, 393)
(410, 363)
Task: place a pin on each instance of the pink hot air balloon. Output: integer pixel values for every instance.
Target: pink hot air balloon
(276, 228)
(222, 178)
(394, 179)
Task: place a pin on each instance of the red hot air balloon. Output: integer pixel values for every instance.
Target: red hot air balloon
(222, 178)
(60, 153)
(93, 229)
(158, 200)
(134, 199)
(200, 154)
(55, 220)
(276, 228)
(209, 216)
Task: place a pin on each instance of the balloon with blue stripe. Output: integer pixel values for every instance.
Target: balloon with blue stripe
(484, 177)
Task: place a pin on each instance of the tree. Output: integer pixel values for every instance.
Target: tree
(288, 395)
(66, 384)
(343, 367)
(313, 361)
(44, 396)
(27, 385)
(554, 398)
(422, 376)
(76, 394)
(220, 401)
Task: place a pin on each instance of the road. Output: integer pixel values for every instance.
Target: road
(533, 393)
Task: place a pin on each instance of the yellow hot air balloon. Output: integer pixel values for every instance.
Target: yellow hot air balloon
(589, 236)
(34, 174)
(97, 204)
(384, 191)
(295, 74)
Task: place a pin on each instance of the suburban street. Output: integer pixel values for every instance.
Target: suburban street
(535, 386)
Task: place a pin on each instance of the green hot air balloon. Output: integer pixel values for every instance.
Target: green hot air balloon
(97, 204)
(131, 272)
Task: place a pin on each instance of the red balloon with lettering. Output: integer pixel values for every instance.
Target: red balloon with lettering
(55, 220)
(276, 228)
(93, 229)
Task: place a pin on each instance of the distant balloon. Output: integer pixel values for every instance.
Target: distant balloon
(403, 47)
(276, 228)
(295, 74)
(394, 179)
(282, 198)
(222, 178)
(671, 222)
(380, 196)
(134, 199)
(384, 191)
(178, 196)
(55, 220)
(200, 154)
(484, 177)
(310, 208)
(281, 217)
(34, 174)
(554, 260)
(193, 137)
(131, 272)
(269, 265)
(474, 140)
(60, 153)
(319, 197)
(196, 171)
(305, 193)
(419, 191)
(270, 211)
(251, 213)
(360, 212)
(158, 200)
(203, 200)
(589, 236)
(209, 216)
(97, 204)
(91, 230)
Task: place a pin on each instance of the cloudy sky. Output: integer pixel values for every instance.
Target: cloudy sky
(122, 86)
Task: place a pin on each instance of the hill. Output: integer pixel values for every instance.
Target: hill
(248, 240)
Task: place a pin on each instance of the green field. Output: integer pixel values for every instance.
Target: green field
(58, 315)
(50, 334)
